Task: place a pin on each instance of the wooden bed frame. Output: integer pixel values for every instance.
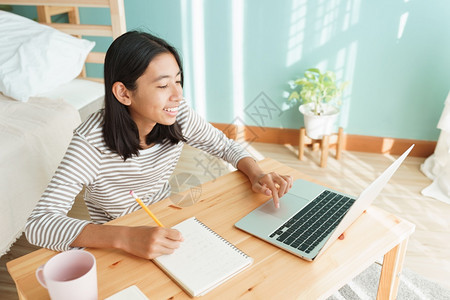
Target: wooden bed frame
(48, 8)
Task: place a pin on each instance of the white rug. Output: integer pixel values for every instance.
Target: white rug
(412, 286)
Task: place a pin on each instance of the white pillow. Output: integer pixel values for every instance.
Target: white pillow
(35, 58)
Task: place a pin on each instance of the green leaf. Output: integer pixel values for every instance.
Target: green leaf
(294, 95)
(314, 70)
(317, 87)
(310, 76)
(301, 81)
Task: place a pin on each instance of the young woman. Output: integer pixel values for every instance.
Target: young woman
(133, 144)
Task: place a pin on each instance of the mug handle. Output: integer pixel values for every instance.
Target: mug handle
(40, 276)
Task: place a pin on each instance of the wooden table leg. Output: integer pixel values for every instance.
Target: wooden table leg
(315, 144)
(324, 154)
(301, 143)
(390, 272)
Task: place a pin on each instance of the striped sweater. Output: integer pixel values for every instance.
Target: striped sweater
(108, 179)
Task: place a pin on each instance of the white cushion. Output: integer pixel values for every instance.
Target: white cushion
(35, 58)
(78, 92)
(85, 95)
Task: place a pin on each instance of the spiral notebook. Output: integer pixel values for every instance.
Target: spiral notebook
(204, 260)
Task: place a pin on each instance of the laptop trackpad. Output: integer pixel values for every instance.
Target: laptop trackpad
(289, 205)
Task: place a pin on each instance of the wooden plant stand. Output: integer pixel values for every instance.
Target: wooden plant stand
(324, 144)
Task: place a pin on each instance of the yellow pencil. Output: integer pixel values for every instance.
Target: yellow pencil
(146, 209)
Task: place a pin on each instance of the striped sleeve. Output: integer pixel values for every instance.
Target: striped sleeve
(202, 135)
(48, 225)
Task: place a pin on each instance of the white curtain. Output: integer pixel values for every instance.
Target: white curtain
(437, 166)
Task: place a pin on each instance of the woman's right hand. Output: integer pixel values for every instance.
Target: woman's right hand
(150, 242)
(143, 241)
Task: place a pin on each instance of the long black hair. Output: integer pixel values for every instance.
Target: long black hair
(126, 60)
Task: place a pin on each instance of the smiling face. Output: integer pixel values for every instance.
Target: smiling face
(157, 95)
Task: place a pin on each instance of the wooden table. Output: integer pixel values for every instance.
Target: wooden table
(275, 274)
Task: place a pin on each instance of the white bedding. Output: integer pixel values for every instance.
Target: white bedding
(33, 138)
(35, 131)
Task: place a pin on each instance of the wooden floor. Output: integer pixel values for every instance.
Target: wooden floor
(428, 252)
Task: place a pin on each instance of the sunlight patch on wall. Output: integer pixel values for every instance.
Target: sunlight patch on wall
(326, 20)
(296, 32)
(198, 56)
(341, 58)
(402, 24)
(346, 64)
(237, 44)
(187, 70)
(322, 65)
(351, 17)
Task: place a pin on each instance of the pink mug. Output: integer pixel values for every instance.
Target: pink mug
(70, 275)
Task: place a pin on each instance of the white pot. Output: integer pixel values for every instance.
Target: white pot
(318, 126)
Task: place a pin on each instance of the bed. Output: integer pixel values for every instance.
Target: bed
(44, 94)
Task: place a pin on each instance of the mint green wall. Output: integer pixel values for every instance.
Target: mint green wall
(239, 55)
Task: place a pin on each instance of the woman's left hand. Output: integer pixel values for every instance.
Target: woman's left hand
(273, 184)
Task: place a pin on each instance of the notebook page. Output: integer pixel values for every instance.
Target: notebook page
(130, 293)
(204, 259)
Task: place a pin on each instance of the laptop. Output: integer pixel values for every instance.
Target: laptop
(311, 216)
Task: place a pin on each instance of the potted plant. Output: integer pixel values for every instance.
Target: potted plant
(320, 99)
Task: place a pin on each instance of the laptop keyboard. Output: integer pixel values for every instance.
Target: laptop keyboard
(306, 229)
